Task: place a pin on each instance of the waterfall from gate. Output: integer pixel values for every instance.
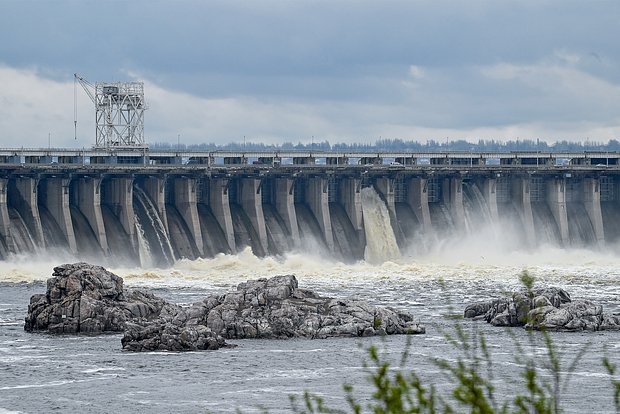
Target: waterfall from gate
(381, 243)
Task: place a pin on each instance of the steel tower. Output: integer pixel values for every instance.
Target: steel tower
(119, 113)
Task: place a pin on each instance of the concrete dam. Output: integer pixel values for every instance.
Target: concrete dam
(151, 209)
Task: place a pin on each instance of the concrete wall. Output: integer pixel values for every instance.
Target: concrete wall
(251, 202)
(556, 200)
(592, 203)
(89, 203)
(351, 200)
(154, 189)
(318, 201)
(185, 202)
(5, 223)
(521, 197)
(119, 197)
(452, 191)
(490, 195)
(27, 205)
(57, 203)
(418, 201)
(285, 206)
(219, 203)
(385, 186)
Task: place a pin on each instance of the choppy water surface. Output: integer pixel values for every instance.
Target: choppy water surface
(42, 373)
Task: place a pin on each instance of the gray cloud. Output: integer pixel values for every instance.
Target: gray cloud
(339, 69)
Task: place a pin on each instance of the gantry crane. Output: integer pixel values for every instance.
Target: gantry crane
(119, 113)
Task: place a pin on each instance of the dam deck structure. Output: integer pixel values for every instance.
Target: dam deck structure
(125, 204)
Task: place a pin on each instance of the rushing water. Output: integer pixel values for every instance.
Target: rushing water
(42, 373)
(91, 374)
(381, 243)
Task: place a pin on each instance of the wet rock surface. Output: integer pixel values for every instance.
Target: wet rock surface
(82, 298)
(548, 308)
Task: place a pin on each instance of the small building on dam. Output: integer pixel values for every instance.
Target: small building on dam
(154, 207)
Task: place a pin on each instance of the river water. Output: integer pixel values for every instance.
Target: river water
(91, 374)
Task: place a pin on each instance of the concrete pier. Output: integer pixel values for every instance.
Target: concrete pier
(153, 186)
(285, 206)
(351, 200)
(452, 190)
(592, 203)
(251, 202)
(185, 202)
(318, 202)
(521, 197)
(418, 201)
(56, 199)
(437, 190)
(220, 206)
(5, 222)
(88, 200)
(27, 204)
(489, 191)
(385, 187)
(119, 198)
(556, 200)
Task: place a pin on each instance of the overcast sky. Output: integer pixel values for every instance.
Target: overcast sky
(345, 71)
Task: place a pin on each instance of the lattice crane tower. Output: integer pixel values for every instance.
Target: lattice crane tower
(119, 113)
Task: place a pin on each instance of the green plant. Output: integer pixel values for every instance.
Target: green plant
(471, 376)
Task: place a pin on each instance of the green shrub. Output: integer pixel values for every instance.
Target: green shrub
(471, 377)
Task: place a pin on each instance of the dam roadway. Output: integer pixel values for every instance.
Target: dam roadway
(159, 206)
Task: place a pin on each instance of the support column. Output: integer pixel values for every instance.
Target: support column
(251, 201)
(385, 186)
(452, 191)
(556, 200)
(119, 197)
(592, 203)
(5, 222)
(57, 203)
(185, 202)
(28, 208)
(318, 201)
(351, 200)
(89, 203)
(285, 206)
(154, 189)
(490, 195)
(418, 201)
(521, 197)
(218, 201)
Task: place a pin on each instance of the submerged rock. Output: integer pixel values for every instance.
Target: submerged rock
(82, 298)
(548, 308)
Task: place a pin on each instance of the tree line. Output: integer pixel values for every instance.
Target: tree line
(399, 145)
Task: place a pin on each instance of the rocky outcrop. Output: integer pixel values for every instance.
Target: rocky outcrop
(269, 308)
(82, 298)
(549, 309)
(277, 308)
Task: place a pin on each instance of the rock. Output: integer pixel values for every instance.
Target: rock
(576, 316)
(513, 310)
(267, 308)
(548, 308)
(82, 298)
(277, 308)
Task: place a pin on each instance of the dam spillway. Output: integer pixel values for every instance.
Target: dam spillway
(155, 208)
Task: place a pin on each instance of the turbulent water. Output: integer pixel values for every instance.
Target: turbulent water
(90, 374)
(381, 243)
(83, 374)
